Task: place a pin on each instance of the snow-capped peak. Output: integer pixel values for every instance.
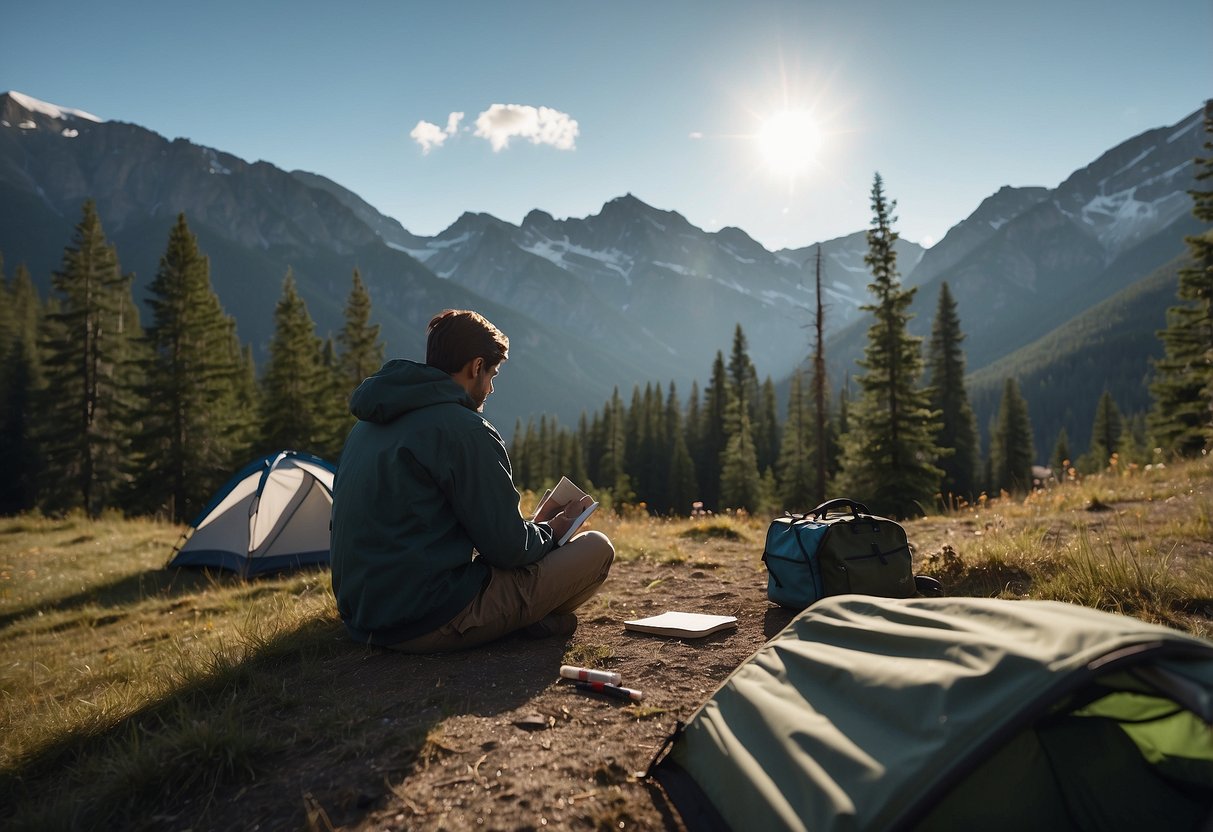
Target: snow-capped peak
(47, 109)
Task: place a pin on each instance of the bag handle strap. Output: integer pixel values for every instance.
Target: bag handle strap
(839, 505)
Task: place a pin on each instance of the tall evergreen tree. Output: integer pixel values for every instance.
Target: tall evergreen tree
(1105, 433)
(20, 376)
(1181, 420)
(654, 457)
(360, 353)
(889, 453)
(741, 484)
(89, 408)
(361, 348)
(713, 433)
(519, 455)
(1011, 451)
(682, 489)
(295, 387)
(766, 426)
(693, 428)
(1061, 458)
(797, 469)
(613, 465)
(743, 376)
(957, 424)
(188, 444)
(335, 419)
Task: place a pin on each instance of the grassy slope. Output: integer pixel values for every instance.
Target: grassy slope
(136, 697)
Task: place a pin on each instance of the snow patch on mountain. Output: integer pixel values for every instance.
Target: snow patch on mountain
(557, 252)
(1191, 125)
(1133, 163)
(674, 267)
(47, 109)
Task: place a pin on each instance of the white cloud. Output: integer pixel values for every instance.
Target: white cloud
(430, 135)
(539, 125)
(695, 135)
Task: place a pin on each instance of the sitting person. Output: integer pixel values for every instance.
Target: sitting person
(430, 551)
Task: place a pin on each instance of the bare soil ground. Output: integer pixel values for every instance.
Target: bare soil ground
(494, 739)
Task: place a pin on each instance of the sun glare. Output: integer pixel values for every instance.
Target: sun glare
(789, 142)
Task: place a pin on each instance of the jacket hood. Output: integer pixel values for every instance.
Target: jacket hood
(402, 386)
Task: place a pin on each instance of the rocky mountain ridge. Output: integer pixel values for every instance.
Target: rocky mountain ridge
(628, 295)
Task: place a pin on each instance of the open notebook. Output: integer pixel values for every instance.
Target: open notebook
(682, 624)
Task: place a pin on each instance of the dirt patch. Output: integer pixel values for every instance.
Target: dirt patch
(494, 739)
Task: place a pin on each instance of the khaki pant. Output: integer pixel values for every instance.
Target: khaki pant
(564, 580)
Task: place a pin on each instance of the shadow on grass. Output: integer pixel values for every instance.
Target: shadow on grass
(154, 583)
(309, 719)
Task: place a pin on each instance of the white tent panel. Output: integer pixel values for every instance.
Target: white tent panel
(308, 523)
(275, 517)
(281, 487)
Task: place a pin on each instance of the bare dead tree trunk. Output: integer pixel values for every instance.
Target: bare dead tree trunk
(819, 386)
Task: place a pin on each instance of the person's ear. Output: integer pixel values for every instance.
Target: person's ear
(477, 367)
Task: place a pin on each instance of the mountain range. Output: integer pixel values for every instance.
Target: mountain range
(629, 295)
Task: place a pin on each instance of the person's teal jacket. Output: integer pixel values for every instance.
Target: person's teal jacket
(422, 481)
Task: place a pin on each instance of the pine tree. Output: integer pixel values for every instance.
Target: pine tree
(888, 455)
(654, 457)
(1105, 433)
(361, 348)
(532, 472)
(681, 488)
(1011, 451)
(797, 469)
(20, 376)
(766, 426)
(1061, 458)
(1181, 420)
(693, 428)
(294, 388)
(713, 432)
(743, 376)
(89, 406)
(335, 419)
(957, 424)
(741, 485)
(187, 448)
(519, 455)
(612, 468)
(1131, 450)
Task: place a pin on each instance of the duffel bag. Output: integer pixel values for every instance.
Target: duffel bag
(837, 548)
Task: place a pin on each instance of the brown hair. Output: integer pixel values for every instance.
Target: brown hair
(456, 336)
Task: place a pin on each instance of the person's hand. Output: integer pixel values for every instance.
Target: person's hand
(561, 521)
(545, 512)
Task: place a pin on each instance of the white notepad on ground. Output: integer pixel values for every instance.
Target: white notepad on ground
(682, 624)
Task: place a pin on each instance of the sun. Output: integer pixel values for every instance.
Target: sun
(789, 142)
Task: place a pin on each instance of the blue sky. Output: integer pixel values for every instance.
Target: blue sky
(948, 100)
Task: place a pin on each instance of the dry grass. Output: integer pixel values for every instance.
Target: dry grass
(124, 686)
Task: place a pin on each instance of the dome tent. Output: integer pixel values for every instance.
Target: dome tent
(953, 713)
(271, 516)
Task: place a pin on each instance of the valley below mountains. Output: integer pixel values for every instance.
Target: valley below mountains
(1065, 286)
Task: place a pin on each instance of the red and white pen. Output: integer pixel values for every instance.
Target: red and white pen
(584, 674)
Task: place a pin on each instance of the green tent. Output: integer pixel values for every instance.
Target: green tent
(953, 714)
